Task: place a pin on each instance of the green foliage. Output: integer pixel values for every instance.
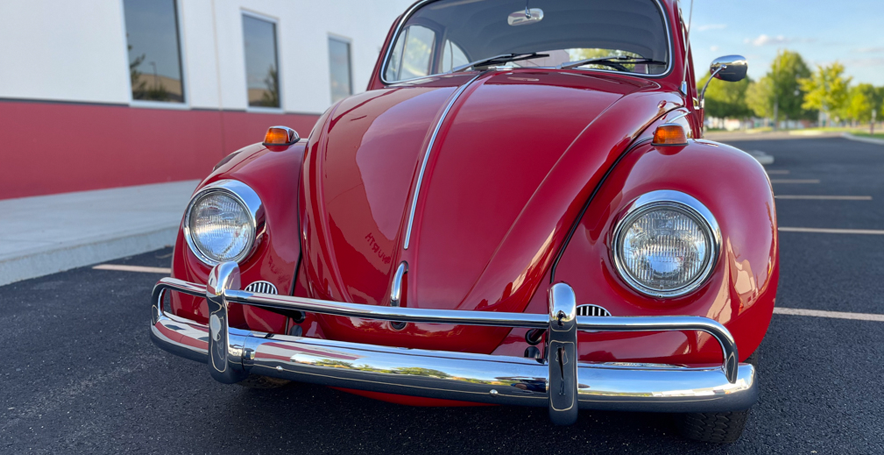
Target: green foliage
(785, 72)
(779, 92)
(826, 89)
(584, 54)
(270, 97)
(138, 85)
(726, 99)
(156, 92)
(760, 96)
(140, 88)
(862, 99)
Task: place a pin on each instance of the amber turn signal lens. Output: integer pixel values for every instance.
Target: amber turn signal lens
(277, 135)
(670, 134)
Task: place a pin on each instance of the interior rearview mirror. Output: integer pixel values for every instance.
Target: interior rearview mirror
(527, 16)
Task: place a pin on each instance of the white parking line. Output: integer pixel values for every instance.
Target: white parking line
(794, 181)
(824, 198)
(132, 268)
(832, 231)
(829, 314)
(777, 172)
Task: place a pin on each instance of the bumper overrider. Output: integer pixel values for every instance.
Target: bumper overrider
(560, 382)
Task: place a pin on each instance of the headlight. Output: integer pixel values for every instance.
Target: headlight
(221, 222)
(666, 245)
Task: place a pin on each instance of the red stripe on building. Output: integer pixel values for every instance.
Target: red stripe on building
(48, 148)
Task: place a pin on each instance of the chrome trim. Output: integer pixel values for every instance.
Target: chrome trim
(679, 201)
(706, 85)
(396, 292)
(481, 318)
(225, 352)
(409, 12)
(262, 287)
(246, 197)
(396, 288)
(234, 353)
(562, 344)
(677, 117)
(724, 64)
(592, 310)
(420, 175)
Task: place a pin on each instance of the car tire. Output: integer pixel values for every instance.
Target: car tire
(255, 381)
(715, 427)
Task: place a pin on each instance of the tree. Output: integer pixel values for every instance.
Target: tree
(138, 85)
(726, 99)
(785, 72)
(270, 97)
(759, 97)
(778, 95)
(862, 99)
(826, 89)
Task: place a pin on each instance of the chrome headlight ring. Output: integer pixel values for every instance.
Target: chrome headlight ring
(678, 202)
(246, 198)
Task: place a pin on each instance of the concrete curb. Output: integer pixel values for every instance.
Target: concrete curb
(41, 235)
(61, 257)
(868, 140)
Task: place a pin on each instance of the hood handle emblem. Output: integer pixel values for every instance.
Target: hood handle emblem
(396, 289)
(396, 292)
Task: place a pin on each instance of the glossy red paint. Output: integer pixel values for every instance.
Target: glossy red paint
(741, 291)
(274, 173)
(530, 170)
(96, 146)
(494, 167)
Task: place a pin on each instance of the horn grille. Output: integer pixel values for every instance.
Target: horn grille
(592, 310)
(262, 287)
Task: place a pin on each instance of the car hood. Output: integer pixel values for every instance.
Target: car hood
(513, 162)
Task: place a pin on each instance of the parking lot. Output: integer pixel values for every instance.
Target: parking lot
(81, 376)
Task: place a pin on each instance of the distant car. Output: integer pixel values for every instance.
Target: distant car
(520, 210)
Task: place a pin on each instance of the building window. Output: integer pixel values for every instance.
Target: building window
(262, 65)
(339, 69)
(154, 50)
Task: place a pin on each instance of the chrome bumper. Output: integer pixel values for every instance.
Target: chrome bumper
(560, 382)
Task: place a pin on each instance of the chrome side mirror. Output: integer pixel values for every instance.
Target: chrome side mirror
(730, 68)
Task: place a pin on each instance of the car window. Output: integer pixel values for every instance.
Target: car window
(452, 56)
(413, 54)
(566, 30)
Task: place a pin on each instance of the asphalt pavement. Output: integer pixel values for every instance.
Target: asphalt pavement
(81, 376)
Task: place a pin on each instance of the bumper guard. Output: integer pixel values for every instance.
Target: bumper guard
(560, 382)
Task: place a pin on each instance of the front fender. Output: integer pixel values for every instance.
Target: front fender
(741, 290)
(274, 173)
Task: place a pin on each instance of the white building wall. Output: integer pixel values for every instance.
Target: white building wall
(76, 50)
(63, 50)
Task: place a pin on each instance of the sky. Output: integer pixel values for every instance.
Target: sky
(822, 31)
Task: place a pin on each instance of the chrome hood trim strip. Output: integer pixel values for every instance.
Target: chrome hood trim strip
(420, 175)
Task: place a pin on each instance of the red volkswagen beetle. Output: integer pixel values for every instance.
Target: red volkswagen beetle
(520, 210)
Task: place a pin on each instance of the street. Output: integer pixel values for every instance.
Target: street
(81, 375)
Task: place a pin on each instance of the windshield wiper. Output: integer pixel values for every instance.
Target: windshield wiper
(502, 58)
(616, 62)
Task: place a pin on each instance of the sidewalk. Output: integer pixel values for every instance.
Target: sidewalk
(47, 234)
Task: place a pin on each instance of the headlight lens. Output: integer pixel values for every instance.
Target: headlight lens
(219, 225)
(666, 248)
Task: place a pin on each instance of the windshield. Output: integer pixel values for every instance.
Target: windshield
(446, 34)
